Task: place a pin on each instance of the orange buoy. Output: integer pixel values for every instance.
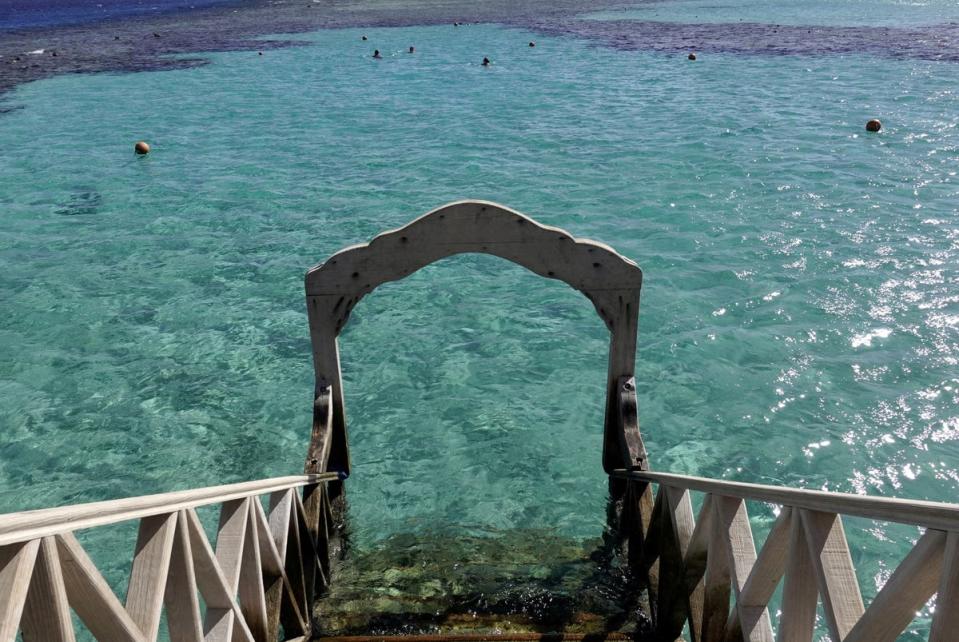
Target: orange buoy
(691, 56)
(873, 125)
(142, 147)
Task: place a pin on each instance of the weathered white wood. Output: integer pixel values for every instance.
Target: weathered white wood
(224, 621)
(273, 568)
(717, 579)
(91, 597)
(937, 515)
(909, 587)
(230, 539)
(16, 566)
(683, 524)
(610, 281)
(945, 620)
(46, 615)
(770, 563)
(741, 552)
(764, 578)
(182, 604)
(148, 576)
(836, 577)
(798, 620)
(251, 590)
(19, 527)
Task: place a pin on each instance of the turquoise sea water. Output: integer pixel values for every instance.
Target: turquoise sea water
(799, 321)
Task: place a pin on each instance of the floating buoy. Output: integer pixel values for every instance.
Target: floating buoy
(142, 147)
(532, 44)
(486, 62)
(873, 125)
(691, 56)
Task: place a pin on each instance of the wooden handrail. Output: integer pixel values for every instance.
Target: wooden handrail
(33, 524)
(936, 515)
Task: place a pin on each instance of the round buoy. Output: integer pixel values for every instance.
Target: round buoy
(532, 44)
(142, 147)
(691, 56)
(873, 125)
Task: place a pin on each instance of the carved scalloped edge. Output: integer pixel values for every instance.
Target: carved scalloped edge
(314, 274)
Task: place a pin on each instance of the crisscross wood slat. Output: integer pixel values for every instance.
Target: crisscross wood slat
(245, 584)
(806, 551)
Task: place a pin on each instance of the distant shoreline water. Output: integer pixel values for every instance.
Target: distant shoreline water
(135, 38)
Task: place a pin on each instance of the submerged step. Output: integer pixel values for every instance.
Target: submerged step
(518, 583)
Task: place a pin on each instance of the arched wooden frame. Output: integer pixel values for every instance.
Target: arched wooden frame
(611, 281)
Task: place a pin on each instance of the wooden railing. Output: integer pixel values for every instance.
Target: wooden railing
(256, 585)
(692, 566)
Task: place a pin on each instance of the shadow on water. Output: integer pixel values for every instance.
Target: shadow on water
(450, 580)
(81, 203)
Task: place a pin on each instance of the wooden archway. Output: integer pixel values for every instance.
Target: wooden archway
(610, 281)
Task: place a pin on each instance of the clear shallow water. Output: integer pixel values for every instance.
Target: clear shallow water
(799, 318)
(842, 13)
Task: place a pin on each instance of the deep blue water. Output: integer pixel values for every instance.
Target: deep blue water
(18, 14)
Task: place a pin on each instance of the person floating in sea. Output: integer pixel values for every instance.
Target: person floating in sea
(486, 62)
(532, 44)
(364, 37)
(412, 49)
(376, 53)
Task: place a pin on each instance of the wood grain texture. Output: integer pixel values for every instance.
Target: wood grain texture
(800, 594)
(91, 597)
(182, 602)
(741, 553)
(937, 515)
(46, 615)
(34, 524)
(945, 621)
(148, 575)
(909, 587)
(717, 579)
(16, 566)
(836, 577)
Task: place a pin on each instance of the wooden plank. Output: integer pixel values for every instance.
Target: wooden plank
(945, 620)
(836, 578)
(224, 621)
(148, 576)
(279, 584)
(182, 604)
(717, 579)
(798, 620)
(683, 525)
(16, 566)
(252, 592)
(46, 615)
(91, 597)
(937, 515)
(910, 586)
(230, 539)
(741, 552)
(34, 524)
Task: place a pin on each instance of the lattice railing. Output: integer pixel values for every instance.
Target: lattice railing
(256, 585)
(694, 566)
